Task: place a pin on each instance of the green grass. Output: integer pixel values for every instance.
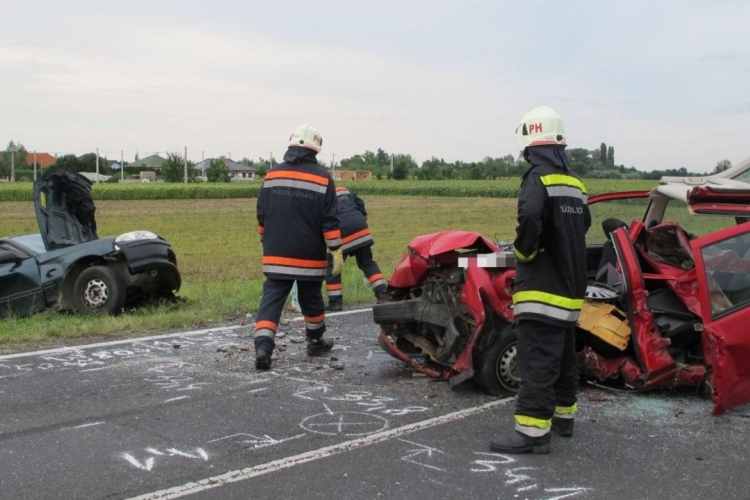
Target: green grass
(219, 254)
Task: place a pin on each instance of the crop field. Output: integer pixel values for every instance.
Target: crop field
(501, 188)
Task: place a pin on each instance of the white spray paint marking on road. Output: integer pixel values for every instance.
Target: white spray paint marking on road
(295, 460)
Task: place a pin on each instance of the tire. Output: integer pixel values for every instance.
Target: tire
(495, 370)
(98, 290)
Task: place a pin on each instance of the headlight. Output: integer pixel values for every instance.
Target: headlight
(135, 236)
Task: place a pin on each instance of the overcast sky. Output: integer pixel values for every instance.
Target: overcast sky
(665, 82)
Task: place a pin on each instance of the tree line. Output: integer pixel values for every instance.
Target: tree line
(596, 163)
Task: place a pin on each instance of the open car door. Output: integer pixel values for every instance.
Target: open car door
(722, 261)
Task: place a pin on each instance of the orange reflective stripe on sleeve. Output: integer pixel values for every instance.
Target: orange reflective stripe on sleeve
(332, 235)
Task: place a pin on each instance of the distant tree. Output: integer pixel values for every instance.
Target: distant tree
(173, 170)
(722, 166)
(87, 163)
(581, 160)
(603, 154)
(611, 156)
(218, 171)
(71, 163)
(14, 157)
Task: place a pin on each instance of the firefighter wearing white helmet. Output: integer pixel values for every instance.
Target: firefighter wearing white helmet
(550, 286)
(541, 126)
(297, 222)
(306, 136)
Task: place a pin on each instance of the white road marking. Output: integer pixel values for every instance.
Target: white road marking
(176, 399)
(285, 463)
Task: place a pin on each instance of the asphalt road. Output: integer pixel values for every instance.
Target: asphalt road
(186, 414)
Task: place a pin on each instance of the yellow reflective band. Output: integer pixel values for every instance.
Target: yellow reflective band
(539, 423)
(521, 257)
(548, 298)
(563, 180)
(566, 410)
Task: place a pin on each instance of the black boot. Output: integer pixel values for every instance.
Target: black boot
(516, 442)
(316, 347)
(263, 350)
(335, 304)
(563, 427)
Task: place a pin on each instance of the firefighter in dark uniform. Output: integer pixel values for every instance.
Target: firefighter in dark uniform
(297, 222)
(356, 240)
(550, 249)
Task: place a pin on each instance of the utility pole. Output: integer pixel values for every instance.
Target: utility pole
(97, 165)
(333, 165)
(35, 164)
(122, 167)
(185, 163)
(13, 163)
(391, 164)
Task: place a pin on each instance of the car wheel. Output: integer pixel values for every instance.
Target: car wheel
(98, 290)
(495, 366)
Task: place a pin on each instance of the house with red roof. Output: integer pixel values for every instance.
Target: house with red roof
(43, 160)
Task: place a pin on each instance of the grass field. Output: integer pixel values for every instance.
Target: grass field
(219, 253)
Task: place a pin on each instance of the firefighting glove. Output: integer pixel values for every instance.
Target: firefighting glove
(338, 262)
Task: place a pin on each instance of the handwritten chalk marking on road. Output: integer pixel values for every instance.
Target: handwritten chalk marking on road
(420, 451)
(327, 451)
(258, 390)
(96, 369)
(341, 313)
(257, 441)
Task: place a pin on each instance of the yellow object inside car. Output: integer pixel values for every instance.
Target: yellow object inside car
(606, 322)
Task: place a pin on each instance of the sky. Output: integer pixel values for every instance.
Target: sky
(663, 82)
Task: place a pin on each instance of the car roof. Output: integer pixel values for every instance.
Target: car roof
(730, 186)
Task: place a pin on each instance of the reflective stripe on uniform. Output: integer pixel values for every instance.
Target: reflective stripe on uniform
(545, 310)
(288, 261)
(566, 191)
(563, 180)
(291, 183)
(531, 426)
(357, 242)
(315, 322)
(566, 411)
(522, 258)
(293, 271)
(547, 298)
(300, 176)
(333, 238)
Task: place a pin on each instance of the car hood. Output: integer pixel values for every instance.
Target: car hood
(64, 208)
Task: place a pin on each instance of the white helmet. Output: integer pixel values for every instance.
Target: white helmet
(307, 136)
(541, 126)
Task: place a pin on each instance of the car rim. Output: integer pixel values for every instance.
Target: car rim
(506, 369)
(95, 294)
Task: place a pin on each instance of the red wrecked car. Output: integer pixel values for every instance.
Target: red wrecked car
(668, 301)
